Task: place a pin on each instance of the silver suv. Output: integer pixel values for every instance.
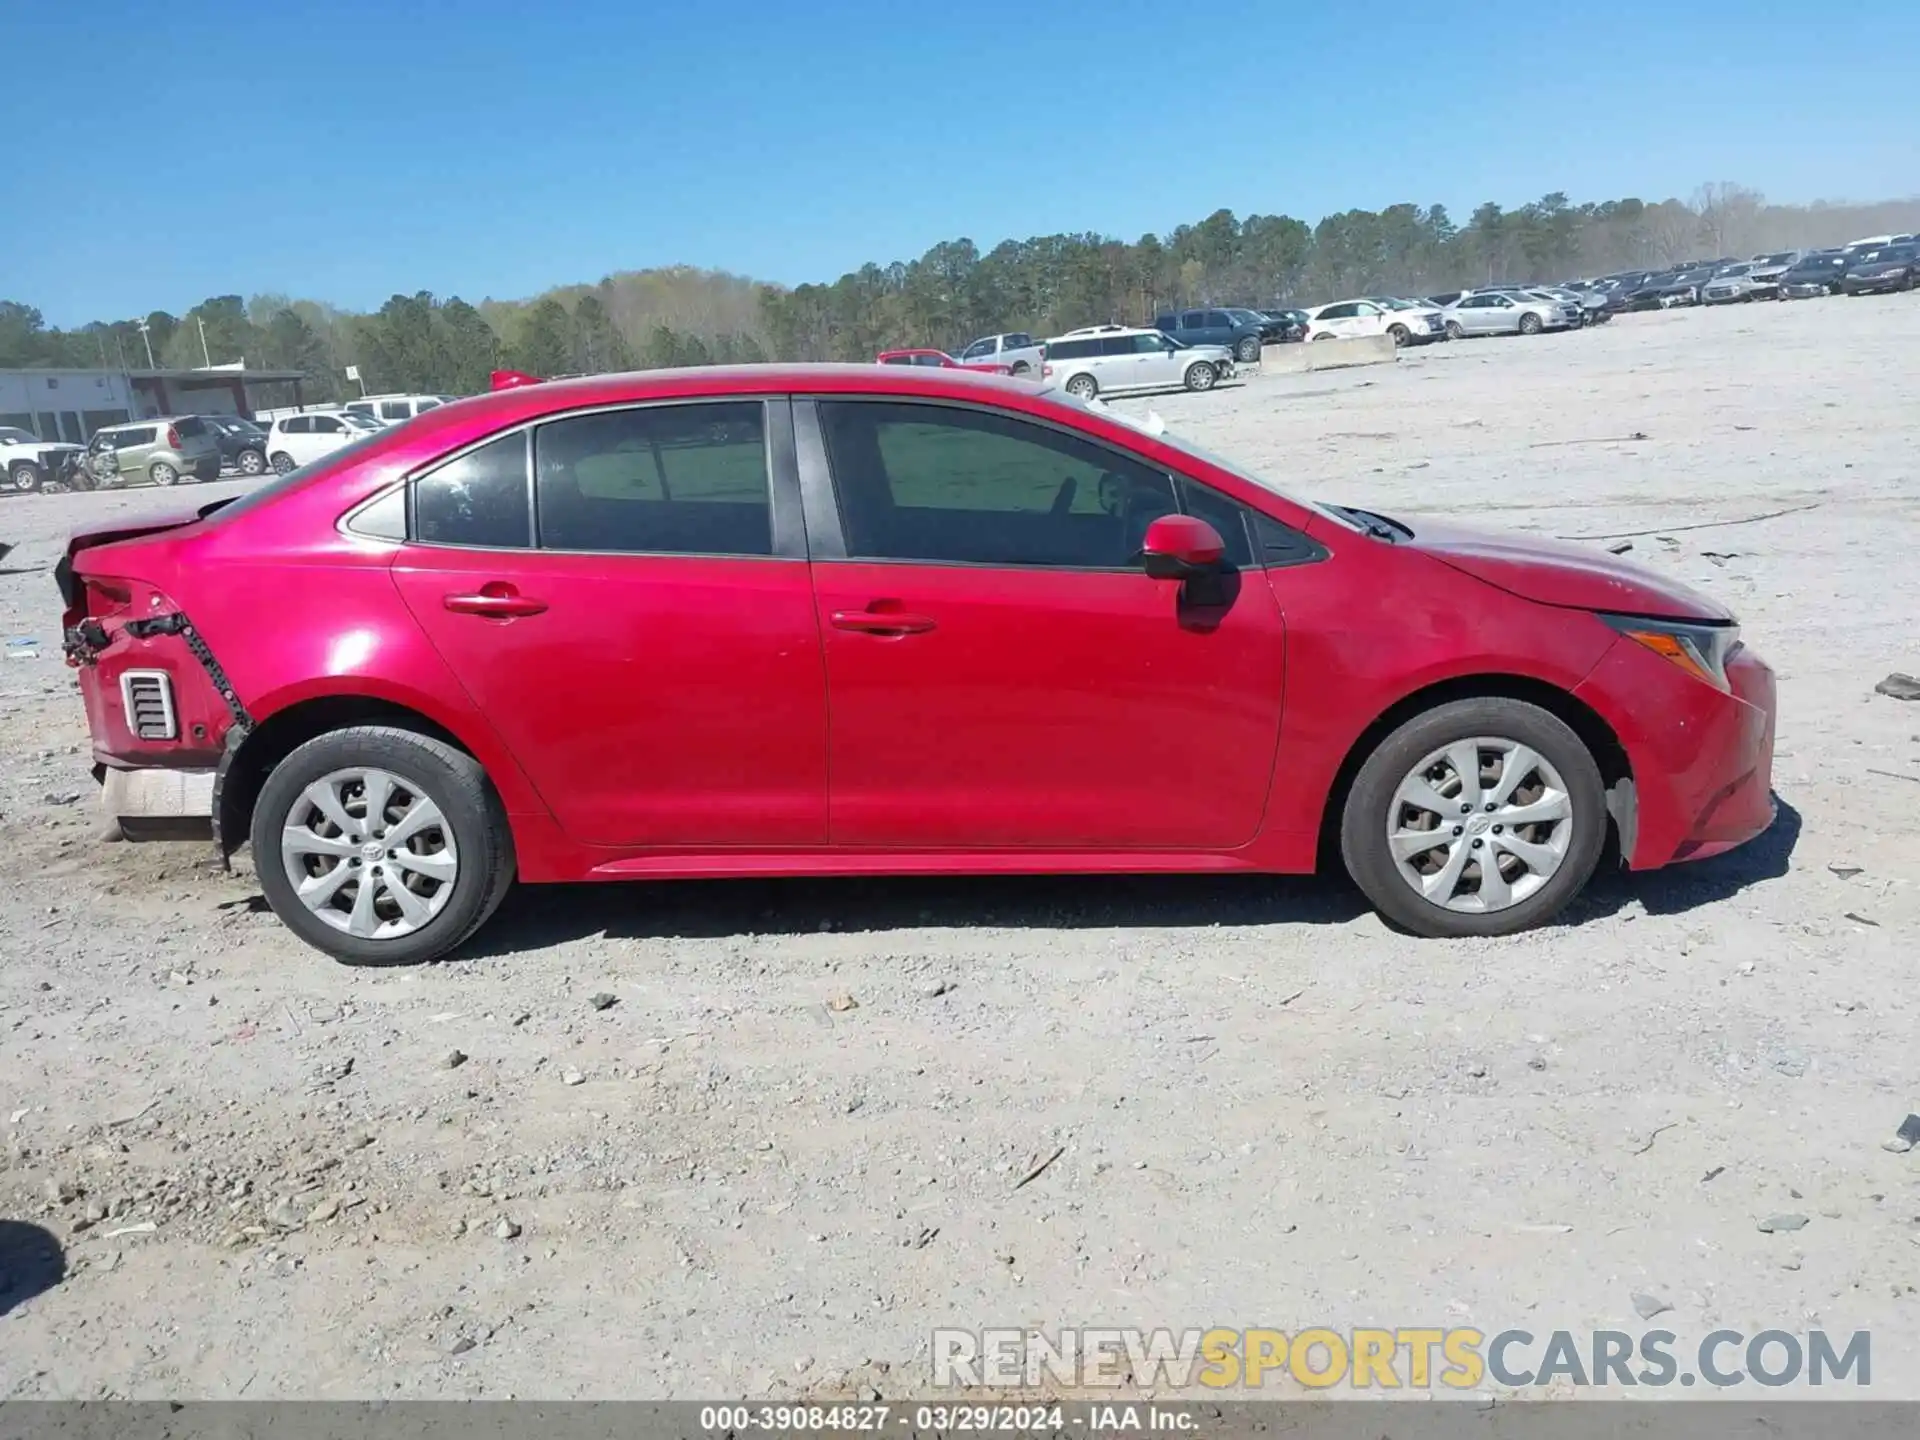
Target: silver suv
(1115, 360)
(161, 450)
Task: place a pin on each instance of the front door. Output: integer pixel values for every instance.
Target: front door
(1000, 671)
(1155, 361)
(652, 661)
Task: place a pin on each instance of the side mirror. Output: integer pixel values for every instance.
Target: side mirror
(1180, 546)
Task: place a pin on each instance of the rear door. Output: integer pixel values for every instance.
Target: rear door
(1001, 672)
(646, 644)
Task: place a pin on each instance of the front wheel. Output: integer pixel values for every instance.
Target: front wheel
(1401, 335)
(1326, 335)
(1083, 387)
(1020, 367)
(282, 463)
(1248, 350)
(1529, 324)
(1455, 330)
(250, 462)
(161, 473)
(1200, 376)
(381, 846)
(1479, 817)
(26, 477)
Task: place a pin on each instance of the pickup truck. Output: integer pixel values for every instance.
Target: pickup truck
(28, 462)
(1019, 352)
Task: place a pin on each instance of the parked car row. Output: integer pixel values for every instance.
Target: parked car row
(1878, 264)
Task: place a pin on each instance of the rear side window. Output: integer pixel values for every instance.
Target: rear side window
(1016, 341)
(1117, 345)
(478, 499)
(1072, 349)
(659, 480)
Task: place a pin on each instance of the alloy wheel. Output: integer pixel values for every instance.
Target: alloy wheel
(369, 853)
(251, 463)
(1480, 824)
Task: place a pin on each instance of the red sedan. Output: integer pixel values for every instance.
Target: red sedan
(939, 360)
(839, 620)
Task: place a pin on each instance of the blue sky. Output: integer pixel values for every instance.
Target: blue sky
(351, 150)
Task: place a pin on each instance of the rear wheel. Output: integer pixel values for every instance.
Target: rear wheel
(250, 462)
(26, 477)
(1401, 335)
(1529, 324)
(282, 462)
(1479, 817)
(1083, 387)
(1020, 367)
(1200, 376)
(1248, 350)
(381, 846)
(161, 473)
(1324, 335)
(1455, 330)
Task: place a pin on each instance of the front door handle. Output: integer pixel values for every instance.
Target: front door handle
(497, 601)
(881, 622)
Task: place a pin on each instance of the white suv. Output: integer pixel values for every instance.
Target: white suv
(297, 440)
(1406, 321)
(1019, 352)
(392, 409)
(1115, 361)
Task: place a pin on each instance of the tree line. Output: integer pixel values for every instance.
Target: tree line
(686, 316)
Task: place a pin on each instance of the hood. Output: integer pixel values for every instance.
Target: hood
(1563, 573)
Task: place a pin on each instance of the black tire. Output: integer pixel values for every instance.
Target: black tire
(451, 779)
(250, 462)
(283, 463)
(1364, 822)
(1083, 387)
(1401, 335)
(161, 473)
(1200, 376)
(1020, 367)
(1529, 324)
(1247, 352)
(1455, 330)
(1324, 335)
(26, 477)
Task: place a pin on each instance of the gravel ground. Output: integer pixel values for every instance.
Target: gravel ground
(267, 1175)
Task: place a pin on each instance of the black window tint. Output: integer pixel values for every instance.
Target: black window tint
(957, 486)
(478, 500)
(1146, 344)
(1163, 322)
(325, 425)
(395, 410)
(1217, 320)
(1017, 341)
(897, 360)
(662, 480)
(1117, 345)
(297, 425)
(1072, 349)
(190, 425)
(1227, 516)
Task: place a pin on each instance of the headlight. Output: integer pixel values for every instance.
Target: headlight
(1701, 650)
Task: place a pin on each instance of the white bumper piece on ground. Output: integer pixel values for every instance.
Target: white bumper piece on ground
(154, 804)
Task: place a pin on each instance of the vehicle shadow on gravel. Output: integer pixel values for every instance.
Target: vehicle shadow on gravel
(1680, 888)
(539, 915)
(31, 1263)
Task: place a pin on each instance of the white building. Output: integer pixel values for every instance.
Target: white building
(72, 404)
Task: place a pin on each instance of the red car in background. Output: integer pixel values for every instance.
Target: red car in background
(832, 620)
(939, 360)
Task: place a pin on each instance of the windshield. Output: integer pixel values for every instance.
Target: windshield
(11, 436)
(1733, 271)
(1152, 424)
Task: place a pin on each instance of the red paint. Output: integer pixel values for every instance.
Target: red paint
(938, 360)
(683, 715)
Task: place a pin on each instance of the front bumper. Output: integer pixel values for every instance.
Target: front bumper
(1875, 285)
(1804, 290)
(1702, 757)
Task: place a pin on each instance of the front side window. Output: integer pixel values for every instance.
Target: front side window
(659, 480)
(1339, 312)
(956, 486)
(478, 499)
(1147, 345)
(1217, 320)
(325, 424)
(979, 350)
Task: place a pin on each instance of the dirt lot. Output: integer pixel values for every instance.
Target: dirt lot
(268, 1175)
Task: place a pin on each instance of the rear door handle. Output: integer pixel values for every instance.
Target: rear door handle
(496, 601)
(881, 622)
